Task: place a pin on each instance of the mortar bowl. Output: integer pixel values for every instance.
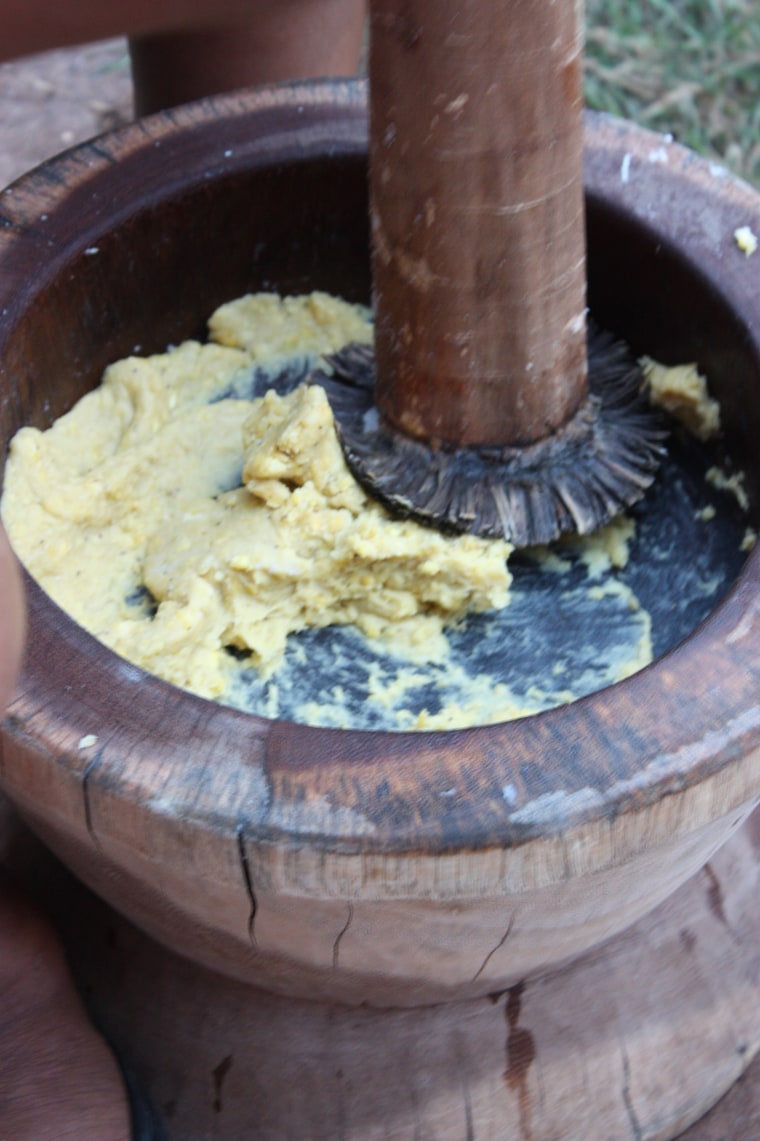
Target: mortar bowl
(374, 870)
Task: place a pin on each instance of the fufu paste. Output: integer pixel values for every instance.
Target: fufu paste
(195, 514)
(178, 520)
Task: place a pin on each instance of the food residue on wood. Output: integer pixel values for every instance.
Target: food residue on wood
(681, 391)
(746, 240)
(732, 482)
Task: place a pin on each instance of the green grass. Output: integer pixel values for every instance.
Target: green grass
(690, 68)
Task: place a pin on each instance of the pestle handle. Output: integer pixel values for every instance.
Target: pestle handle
(477, 217)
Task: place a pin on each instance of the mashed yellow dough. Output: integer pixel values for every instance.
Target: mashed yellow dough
(193, 525)
(236, 518)
(681, 391)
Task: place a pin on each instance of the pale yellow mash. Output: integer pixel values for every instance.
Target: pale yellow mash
(237, 519)
(178, 518)
(681, 391)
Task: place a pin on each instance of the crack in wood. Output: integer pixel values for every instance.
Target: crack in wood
(248, 881)
(636, 1130)
(491, 953)
(341, 933)
(469, 1125)
(219, 1073)
(102, 152)
(715, 895)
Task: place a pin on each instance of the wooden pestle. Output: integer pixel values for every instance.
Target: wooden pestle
(486, 405)
(477, 217)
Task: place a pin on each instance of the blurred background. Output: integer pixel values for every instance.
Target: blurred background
(690, 68)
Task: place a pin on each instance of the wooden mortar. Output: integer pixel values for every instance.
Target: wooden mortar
(495, 932)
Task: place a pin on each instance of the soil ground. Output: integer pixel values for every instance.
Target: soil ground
(50, 102)
(53, 101)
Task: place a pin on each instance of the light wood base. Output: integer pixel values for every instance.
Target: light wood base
(637, 1040)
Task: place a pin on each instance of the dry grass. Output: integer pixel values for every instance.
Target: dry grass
(687, 67)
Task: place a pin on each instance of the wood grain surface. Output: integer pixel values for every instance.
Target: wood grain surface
(604, 1049)
(477, 218)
